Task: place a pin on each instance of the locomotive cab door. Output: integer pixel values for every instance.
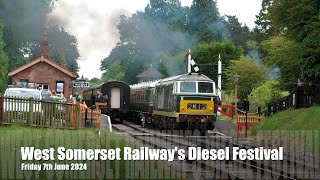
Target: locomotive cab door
(115, 98)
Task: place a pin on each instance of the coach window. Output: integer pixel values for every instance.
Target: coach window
(139, 95)
(60, 87)
(144, 95)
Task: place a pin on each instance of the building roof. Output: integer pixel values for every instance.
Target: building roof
(43, 59)
(151, 72)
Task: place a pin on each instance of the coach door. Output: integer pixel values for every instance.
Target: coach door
(115, 98)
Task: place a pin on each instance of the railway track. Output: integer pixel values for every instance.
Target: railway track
(234, 169)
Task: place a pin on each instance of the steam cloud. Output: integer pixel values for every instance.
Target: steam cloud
(95, 29)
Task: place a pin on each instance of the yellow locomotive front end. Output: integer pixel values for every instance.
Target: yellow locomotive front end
(187, 102)
(191, 107)
(197, 114)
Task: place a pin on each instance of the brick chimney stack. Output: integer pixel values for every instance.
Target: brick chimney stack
(44, 46)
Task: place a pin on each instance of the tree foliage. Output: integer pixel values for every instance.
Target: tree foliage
(163, 33)
(63, 48)
(147, 36)
(285, 54)
(251, 75)
(114, 72)
(95, 82)
(208, 54)
(299, 20)
(204, 21)
(170, 65)
(24, 28)
(238, 33)
(295, 17)
(264, 28)
(4, 61)
(25, 20)
(266, 93)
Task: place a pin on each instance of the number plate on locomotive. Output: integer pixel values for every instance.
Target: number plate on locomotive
(197, 106)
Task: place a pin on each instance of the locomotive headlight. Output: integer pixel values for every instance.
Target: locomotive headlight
(211, 108)
(182, 108)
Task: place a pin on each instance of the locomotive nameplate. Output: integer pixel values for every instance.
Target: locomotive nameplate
(197, 106)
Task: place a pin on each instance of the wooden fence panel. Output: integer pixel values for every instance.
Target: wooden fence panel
(38, 113)
(300, 97)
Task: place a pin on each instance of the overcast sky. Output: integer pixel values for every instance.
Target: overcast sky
(94, 22)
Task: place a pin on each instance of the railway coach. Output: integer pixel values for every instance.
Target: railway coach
(181, 102)
(116, 94)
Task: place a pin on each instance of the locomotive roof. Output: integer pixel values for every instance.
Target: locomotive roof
(187, 77)
(181, 77)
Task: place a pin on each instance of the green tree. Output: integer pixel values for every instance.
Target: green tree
(285, 54)
(299, 20)
(310, 61)
(264, 28)
(146, 36)
(24, 32)
(168, 11)
(295, 18)
(266, 93)
(59, 57)
(63, 48)
(24, 23)
(251, 75)
(166, 31)
(95, 82)
(204, 21)
(209, 54)
(114, 72)
(238, 34)
(4, 61)
(128, 59)
(171, 65)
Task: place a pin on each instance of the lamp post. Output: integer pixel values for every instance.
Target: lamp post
(235, 80)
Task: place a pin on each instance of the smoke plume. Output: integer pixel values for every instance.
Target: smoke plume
(95, 29)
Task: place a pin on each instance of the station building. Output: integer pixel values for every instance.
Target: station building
(46, 74)
(150, 74)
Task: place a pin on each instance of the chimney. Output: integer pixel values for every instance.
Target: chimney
(44, 46)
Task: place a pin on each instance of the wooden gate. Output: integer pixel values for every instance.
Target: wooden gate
(251, 121)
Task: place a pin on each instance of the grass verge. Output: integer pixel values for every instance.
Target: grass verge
(301, 125)
(12, 138)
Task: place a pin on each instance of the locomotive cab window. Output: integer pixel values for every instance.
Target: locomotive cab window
(205, 87)
(188, 86)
